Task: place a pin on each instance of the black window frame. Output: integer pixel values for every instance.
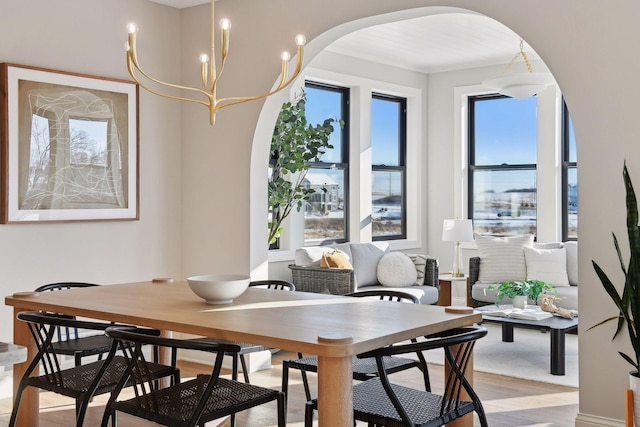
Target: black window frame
(566, 166)
(344, 154)
(402, 163)
(471, 167)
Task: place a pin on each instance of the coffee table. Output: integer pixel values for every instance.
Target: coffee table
(558, 326)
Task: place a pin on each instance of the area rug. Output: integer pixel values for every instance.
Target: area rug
(527, 357)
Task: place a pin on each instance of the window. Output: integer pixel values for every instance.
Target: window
(569, 179)
(388, 147)
(502, 164)
(326, 211)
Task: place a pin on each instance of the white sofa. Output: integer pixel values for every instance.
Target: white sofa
(365, 258)
(481, 295)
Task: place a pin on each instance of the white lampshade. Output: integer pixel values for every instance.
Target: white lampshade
(457, 230)
(520, 85)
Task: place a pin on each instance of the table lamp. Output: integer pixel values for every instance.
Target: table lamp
(457, 230)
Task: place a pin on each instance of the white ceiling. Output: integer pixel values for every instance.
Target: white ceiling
(436, 43)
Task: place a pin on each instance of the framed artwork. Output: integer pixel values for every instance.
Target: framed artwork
(69, 146)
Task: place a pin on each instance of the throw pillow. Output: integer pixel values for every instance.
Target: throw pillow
(420, 263)
(335, 259)
(548, 265)
(396, 269)
(365, 257)
(502, 258)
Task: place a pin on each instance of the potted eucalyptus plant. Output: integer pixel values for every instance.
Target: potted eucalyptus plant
(294, 145)
(627, 302)
(522, 291)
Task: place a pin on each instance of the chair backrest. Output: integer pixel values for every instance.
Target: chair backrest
(386, 295)
(458, 347)
(64, 334)
(281, 285)
(131, 339)
(43, 327)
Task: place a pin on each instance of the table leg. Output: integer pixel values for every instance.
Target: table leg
(335, 388)
(507, 332)
(467, 420)
(28, 416)
(557, 351)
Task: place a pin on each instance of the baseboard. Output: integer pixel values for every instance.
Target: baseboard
(588, 420)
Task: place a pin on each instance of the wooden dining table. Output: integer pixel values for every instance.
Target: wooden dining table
(332, 327)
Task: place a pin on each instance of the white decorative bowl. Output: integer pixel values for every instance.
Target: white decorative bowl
(219, 288)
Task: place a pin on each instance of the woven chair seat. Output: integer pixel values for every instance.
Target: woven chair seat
(75, 381)
(180, 402)
(371, 404)
(245, 348)
(86, 346)
(363, 369)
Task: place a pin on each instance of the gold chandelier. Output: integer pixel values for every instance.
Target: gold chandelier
(210, 73)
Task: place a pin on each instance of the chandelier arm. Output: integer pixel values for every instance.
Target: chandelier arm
(234, 100)
(164, 95)
(137, 67)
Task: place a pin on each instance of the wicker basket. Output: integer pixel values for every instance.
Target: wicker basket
(337, 281)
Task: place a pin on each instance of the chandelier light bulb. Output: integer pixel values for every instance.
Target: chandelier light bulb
(285, 56)
(301, 40)
(225, 24)
(132, 28)
(204, 58)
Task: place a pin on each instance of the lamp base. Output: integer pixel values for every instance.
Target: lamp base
(457, 274)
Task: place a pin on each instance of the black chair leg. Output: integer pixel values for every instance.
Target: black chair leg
(245, 371)
(308, 414)
(16, 406)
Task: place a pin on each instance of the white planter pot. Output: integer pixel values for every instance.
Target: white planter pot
(634, 384)
(520, 301)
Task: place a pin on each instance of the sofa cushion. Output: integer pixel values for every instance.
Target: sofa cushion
(572, 262)
(502, 258)
(364, 258)
(335, 259)
(548, 265)
(396, 269)
(420, 263)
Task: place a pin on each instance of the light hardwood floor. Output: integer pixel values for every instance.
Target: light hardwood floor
(509, 402)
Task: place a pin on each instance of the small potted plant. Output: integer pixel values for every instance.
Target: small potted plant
(520, 292)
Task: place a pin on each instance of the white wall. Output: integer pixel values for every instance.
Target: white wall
(87, 36)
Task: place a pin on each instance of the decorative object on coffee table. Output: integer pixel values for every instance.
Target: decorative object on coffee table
(627, 302)
(547, 304)
(529, 289)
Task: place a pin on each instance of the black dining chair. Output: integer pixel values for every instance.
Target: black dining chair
(190, 403)
(363, 368)
(246, 348)
(73, 341)
(47, 372)
(379, 402)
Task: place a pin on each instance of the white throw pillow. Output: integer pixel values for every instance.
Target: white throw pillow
(396, 269)
(364, 258)
(548, 265)
(502, 258)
